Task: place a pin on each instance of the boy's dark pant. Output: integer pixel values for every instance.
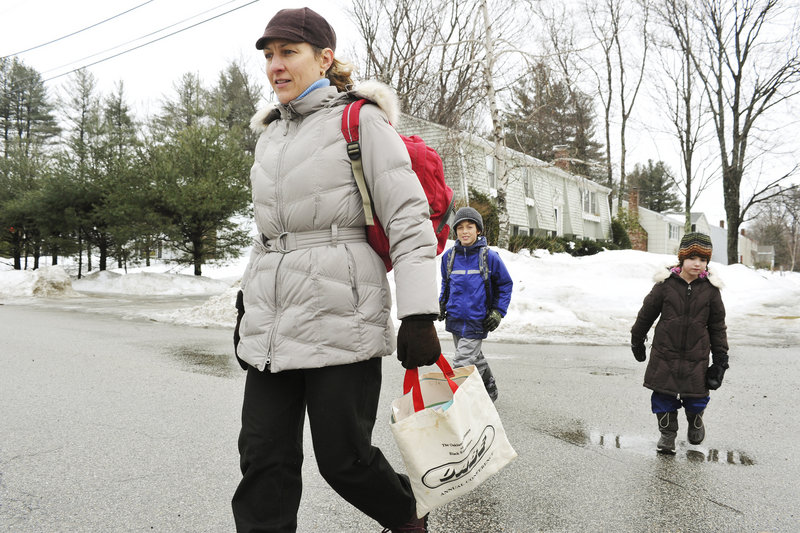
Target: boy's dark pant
(342, 403)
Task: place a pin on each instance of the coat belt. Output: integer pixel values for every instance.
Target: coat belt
(288, 241)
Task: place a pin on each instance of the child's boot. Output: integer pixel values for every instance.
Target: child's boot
(668, 425)
(697, 430)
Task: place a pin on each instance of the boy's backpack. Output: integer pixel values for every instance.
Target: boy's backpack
(483, 266)
(427, 165)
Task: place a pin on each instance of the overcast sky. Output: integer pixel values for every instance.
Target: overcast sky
(149, 72)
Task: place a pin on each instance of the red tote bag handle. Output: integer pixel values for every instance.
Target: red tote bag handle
(411, 382)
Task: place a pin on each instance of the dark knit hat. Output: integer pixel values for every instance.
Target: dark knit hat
(695, 243)
(301, 25)
(468, 213)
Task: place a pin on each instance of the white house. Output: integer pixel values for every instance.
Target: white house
(541, 198)
(665, 230)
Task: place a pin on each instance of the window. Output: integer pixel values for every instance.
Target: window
(674, 232)
(590, 203)
(527, 182)
(491, 171)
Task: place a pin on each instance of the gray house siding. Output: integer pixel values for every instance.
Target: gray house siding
(537, 192)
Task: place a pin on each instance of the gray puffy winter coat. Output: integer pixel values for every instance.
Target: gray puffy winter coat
(315, 293)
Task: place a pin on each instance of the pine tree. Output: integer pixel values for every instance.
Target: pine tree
(27, 125)
(546, 112)
(656, 186)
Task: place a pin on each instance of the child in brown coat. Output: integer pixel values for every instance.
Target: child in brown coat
(692, 324)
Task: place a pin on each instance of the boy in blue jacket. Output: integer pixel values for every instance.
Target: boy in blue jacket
(476, 291)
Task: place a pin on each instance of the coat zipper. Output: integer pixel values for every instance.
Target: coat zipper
(279, 203)
(685, 325)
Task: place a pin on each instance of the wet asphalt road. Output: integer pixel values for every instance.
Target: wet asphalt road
(111, 425)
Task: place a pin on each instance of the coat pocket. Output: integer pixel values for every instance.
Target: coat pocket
(352, 270)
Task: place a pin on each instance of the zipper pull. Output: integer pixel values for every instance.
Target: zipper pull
(689, 290)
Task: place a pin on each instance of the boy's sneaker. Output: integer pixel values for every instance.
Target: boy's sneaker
(697, 430)
(415, 525)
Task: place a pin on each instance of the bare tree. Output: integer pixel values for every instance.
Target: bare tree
(447, 62)
(609, 21)
(682, 101)
(603, 33)
(498, 129)
(792, 205)
(746, 70)
(778, 224)
(627, 99)
(429, 52)
(561, 45)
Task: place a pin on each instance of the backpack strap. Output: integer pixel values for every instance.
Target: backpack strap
(350, 131)
(451, 257)
(483, 263)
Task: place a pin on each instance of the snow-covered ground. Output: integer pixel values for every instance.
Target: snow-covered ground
(557, 298)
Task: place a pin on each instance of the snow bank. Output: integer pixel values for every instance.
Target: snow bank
(557, 298)
(45, 282)
(154, 283)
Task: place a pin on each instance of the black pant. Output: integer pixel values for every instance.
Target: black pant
(342, 403)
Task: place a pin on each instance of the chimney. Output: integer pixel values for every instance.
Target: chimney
(722, 224)
(561, 156)
(633, 201)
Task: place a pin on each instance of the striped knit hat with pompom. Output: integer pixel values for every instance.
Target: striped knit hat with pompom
(695, 243)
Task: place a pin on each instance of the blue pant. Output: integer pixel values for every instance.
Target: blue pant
(665, 403)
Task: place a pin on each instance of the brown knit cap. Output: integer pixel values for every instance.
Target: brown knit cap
(695, 243)
(302, 25)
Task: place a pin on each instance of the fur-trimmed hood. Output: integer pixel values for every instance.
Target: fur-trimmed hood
(374, 91)
(662, 274)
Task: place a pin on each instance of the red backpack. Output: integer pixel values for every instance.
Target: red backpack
(425, 163)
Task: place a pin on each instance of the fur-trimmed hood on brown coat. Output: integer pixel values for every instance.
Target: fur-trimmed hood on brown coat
(691, 324)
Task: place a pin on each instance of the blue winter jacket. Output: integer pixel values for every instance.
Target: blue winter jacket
(466, 305)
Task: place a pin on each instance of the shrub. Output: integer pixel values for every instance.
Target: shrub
(620, 234)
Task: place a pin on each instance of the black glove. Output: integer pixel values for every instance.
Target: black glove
(417, 341)
(638, 348)
(442, 312)
(714, 376)
(493, 320)
(239, 315)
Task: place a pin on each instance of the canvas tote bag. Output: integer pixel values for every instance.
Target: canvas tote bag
(449, 434)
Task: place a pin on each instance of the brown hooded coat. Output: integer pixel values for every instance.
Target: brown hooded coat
(692, 324)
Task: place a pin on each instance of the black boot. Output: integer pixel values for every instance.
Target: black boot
(668, 426)
(414, 525)
(697, 430)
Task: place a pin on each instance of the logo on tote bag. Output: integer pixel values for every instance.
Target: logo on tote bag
(439, 475)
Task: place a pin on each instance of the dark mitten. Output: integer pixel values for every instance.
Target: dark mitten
(442, 312)
(417, 341)
(239, 315)
(638, 348)
(493, 320)
(714, 376)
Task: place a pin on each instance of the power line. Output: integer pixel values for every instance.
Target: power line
(77, 32)
(138, 38)
(151, 42)
(143, 44)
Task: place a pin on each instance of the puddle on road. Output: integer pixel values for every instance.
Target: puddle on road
(203, 361)
(646, 446)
